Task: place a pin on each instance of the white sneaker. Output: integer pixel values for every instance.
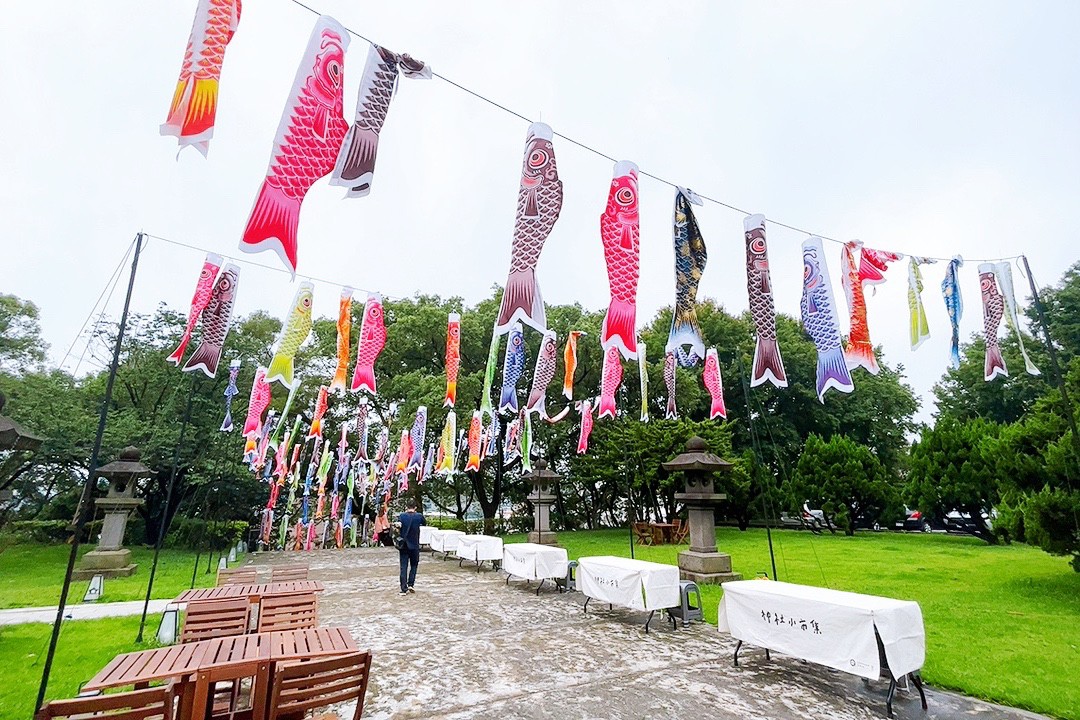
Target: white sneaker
(403, 593)
(412, 590)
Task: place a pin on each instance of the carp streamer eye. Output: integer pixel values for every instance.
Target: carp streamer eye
(624, 196)
(757, 245)
(334, 69)
(537, 159)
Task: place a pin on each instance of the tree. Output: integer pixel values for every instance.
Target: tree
(953, 468)
(963, 394)
(21, 346)
(844, 479)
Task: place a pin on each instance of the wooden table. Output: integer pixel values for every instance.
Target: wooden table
(662, 532)
(197, 665)
(253, 591)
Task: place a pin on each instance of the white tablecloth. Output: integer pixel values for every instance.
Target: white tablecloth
(828, 627)
(479, 548)
(532, 561)
(635, 584)
(425, 534)
(444, 540)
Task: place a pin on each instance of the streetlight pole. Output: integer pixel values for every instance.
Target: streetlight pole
(88, 485)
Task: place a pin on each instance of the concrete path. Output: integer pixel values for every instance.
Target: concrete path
(81, 611)
(466, 646)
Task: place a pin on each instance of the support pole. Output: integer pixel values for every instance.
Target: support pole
(1055, 368)
(88, 485)
(757, 460)
(165, 513)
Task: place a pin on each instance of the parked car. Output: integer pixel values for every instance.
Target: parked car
(959, 522)
(918, 522)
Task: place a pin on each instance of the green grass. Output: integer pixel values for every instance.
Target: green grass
(33, 574)
(85, 647)
(1002, 623)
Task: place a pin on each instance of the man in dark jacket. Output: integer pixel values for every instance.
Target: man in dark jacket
(410, 522)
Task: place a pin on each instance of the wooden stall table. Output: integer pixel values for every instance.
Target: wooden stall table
(142, 667)
(535, 562)
(634, 584)
(444, 541)
(846, 631)
(252, 591)
(479, 548)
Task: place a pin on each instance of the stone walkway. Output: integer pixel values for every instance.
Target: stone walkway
(81, 611)
(468, 646)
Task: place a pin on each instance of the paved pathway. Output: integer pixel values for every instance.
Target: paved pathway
(467, 646)
(80, 611)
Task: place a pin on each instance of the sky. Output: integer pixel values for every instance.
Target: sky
(927, 128)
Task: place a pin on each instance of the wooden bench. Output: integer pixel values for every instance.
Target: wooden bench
(302, 686)
(215, 618)
(287, 573)
(149, 704)
(239, 576)
(288, 612)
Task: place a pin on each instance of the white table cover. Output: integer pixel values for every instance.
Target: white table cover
(425, 534)
(635, 584)
(828, 627)
(444, 540)
(479, 548)
(532, 561)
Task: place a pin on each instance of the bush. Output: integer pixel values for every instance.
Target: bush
(198, 534)
(445, 523)
(51, 531)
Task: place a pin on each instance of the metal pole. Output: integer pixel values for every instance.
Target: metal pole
(757, 459)
(1054, 367)
(629, 498)
(165, 513)
(88, 486)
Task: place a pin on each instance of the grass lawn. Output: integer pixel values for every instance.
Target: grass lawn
(32, 575)
(1002, 623)
(84, 648)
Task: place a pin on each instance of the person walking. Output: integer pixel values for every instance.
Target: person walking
(409, 551)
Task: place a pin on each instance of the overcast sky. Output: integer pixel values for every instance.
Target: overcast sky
(930, 128)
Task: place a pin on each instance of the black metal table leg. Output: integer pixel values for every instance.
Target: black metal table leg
(649, 620)
(737, 647)
(508, 579)
(767, 657)
(918, 684)
(889, 697)
(539, 586)
(585, 609)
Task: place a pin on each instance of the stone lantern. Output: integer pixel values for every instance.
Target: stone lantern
(110, 558)
(702, 563)
(542, 497)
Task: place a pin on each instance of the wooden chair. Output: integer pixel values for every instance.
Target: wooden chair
(155, 703)
(309, 684)
(288, 573)
(680, 532)
(643, 533)
(288, 612)
(206, 619)
(216, 691)
(239, 576)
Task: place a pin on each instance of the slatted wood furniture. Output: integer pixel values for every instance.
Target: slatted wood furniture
(680, 531)
(230, 660)
(148, 704)
(254, 654)
(643, 533)
(254, 592)
(215, 618)
(303, 686)
(285, 573)
(237, 576)
(288, 612)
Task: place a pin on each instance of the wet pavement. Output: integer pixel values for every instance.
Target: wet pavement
(467, 645)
